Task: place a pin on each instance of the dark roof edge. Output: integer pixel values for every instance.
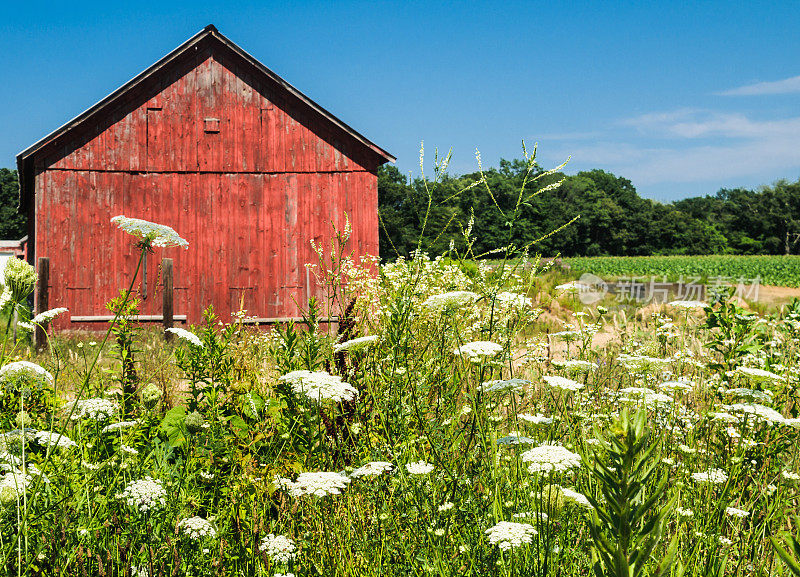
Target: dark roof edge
(209, 30)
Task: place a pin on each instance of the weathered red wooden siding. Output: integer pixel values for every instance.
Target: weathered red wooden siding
(248, 197)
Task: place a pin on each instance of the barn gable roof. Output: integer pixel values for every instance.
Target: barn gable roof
(209, 33)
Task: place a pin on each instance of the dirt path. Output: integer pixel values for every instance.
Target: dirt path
(777, 295)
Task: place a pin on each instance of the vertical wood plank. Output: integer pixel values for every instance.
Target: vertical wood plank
(42, 298)
(167, 308)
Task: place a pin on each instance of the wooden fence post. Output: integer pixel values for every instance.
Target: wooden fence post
(168, 309)
(42, 299)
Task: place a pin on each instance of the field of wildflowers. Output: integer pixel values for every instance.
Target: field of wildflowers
(431, 431)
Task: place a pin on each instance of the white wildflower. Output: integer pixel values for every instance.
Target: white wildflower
(28, 370)
(760, 375)
(96, 409)
(713, 476)
(47, 316)
(196, 528)
(478, 349)
(150, 233)
(510, 299)
(761, 412)
(279, 548)
(118, 426)
(734, 512)
(419, 468)
(372, 469)
(320, 386)
(575, 497)
(688, 304)
(50, 439)
(356, 344)
(563, 383)
(499, 385)
(507, 535)
(319, 484)
(537, 419)
(450, 299)
(186, 335)
(146, 494)
(550, 458)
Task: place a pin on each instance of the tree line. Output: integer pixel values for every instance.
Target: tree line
(612, 219)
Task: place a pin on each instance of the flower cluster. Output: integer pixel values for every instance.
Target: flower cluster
(186, 335)
(356, 344)
(508, 535)
(150, 233)
(450, 299)
(713, 476)
(419, 468)
(196, 528)
(688, 304)
(27, 370)
(146, 494)
(372, 469)
(478, 349)
(499, 385)
(563, 383)
(320, 386)
(47, 316)
(320, 484)
(96, 409)
(20, 279)
(50, 439)
(278, 548)
(550, 458)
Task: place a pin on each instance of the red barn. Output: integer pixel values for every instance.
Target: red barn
(214, 144)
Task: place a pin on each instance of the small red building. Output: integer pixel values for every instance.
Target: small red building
(214, 144)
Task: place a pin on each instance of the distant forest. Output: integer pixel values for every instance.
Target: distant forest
(614, 219)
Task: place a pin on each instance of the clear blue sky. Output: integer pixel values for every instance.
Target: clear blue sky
(681, 98)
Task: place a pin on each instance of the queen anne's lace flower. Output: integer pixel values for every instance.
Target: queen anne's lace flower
(196, 528)
(550, 458)
(356, 344)
(734, 512)
(320, 386)
(478, 349)
(535, 419)
(563, 383)
(27, 369)
(573, 287)
(150, 233)
(713, 476)
(320, 484)
(450, 299)
(510, 299)
(50, 439)
(575, 497)
(499, 385)
(279, 548)
(96, 409)
(372, 469)
(761, 412)
(507, 535)
(688, 304)
(750, 394)
(118, 426)
(419, 468)
(575, 366)
(145, 494)
(760, 375)
(186, 335)
(47, 316)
